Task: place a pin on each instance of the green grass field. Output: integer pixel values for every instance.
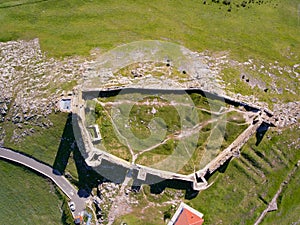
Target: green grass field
(27, 198)
(75, 27)
(289, 207)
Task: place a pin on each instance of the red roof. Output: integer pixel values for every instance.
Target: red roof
(186, 217)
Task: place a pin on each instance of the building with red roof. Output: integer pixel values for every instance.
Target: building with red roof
(186, 215)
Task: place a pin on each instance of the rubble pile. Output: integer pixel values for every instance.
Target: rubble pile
(108, 191)
(277, 73)
(287, 114)
(30, 85)
(191, 70)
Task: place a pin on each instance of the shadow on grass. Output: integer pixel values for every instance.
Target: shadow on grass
(223, 168)
(174, 184)
(65, 147)
(260, 132)
(87, 177)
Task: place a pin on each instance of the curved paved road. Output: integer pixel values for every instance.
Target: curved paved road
(47, 171)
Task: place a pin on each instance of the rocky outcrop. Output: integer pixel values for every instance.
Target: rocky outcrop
(287, 114)
(30, 85)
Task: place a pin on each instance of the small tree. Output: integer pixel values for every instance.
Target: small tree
(167, 215)
(98, 109)
(243, 4)
(226, 2)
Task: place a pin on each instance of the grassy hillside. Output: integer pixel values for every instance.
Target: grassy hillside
(289, 207)
(44, 143)
(27, 198)
(267, 31)
(243, 191)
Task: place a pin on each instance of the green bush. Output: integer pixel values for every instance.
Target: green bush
(226, 2)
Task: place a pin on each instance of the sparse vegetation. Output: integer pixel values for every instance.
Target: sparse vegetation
(111, 142)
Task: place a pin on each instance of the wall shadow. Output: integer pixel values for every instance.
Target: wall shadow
(158, 184)
(260, 132)
(223, 168)
(174, 184)
(87, 177)
(67, 142)
(112, 172)
(153, 91)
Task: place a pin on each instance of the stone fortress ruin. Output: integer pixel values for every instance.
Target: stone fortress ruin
(101, 81)
(106, 163)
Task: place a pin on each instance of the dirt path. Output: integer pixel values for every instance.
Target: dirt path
(181, 135)
(120, 135)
